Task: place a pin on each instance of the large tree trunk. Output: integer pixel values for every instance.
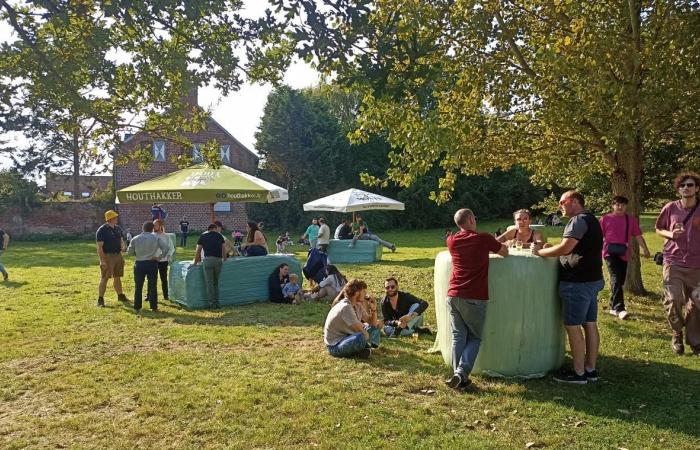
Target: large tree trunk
(627, 181)
(77, 194)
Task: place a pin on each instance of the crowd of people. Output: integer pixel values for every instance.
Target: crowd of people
(351, 327)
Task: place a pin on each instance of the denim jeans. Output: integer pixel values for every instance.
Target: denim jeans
(411, 326)
(2, 268)
(579, 301)
(348, 346)
(467, 319)
(374, 335)
(212, 269)
(372, 237)
(145, 271)
(183, 239)
(617, 268)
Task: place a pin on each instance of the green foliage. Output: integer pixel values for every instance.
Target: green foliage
(17, 191)
(303, 146)
(124, 65)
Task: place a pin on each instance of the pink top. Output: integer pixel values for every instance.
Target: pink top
(613, 227)
(684, 251)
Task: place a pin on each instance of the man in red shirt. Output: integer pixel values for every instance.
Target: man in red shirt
(468, 293)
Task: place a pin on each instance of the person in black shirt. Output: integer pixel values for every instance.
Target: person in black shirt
(110, 245)
(184, 229)
(344, 231)
(403, 312)
(212, 244)
(276, 281)
(580, 280)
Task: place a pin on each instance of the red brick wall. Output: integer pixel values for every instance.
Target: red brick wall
(53, 218)
(199, 216)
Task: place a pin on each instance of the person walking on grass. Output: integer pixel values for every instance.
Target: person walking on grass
(146, 249)
(580, 279)
(110, 246)
(468, 293)
(211, 253)
(311, 233)
(618, 230)
(679, 225)
(4, 242)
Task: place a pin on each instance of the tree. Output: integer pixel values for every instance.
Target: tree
(124, 65)
(567, 89)
(17, 191)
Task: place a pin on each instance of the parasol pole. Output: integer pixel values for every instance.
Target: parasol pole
(212, 213)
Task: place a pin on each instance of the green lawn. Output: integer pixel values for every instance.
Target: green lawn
(74, 375)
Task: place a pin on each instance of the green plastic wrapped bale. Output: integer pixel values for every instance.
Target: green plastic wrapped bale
(365, 251)
(523, 334)
(243, 280)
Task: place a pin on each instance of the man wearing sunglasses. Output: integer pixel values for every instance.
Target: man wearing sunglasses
(580, 280)
(679, 224)
(402, 312)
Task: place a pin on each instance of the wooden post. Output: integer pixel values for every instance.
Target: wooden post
(213, 214)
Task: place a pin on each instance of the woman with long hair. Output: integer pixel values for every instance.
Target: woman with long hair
(331, 285)
(276, 281)
(521, 231)
(159, 229)
(344, 332)
(255, 243)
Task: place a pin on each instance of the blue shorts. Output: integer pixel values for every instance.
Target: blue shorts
(580, 301)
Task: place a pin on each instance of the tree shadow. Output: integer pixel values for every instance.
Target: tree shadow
(13, 284)
(414, 263)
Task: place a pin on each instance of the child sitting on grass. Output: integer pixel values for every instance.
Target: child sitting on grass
(291, 290)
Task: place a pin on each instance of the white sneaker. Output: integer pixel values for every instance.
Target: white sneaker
(623, 314)
(612, 312)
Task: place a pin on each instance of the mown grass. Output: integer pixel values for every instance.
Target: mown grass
(258, 376)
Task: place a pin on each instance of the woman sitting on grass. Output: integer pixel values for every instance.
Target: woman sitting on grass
(344, 333)
(331, 285)
(276, 282)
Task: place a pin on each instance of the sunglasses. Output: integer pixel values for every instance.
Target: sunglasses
(682, 185)
(390, 287)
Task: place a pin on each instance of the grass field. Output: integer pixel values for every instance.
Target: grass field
(259, 376)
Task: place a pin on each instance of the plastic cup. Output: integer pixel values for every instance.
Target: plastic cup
(414, 337)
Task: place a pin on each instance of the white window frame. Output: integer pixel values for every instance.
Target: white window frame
(68, 193)
(196, 153)
(85, 194)
(159, 151)
(222, 207)
(225, 152)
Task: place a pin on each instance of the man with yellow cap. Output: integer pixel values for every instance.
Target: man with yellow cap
(110, 245)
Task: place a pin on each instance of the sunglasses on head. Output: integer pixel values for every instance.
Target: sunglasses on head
(682, 185)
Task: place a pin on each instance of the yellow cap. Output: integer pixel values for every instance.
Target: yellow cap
(109, 215)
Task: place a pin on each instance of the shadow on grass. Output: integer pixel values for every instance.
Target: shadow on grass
(415, 263)
(662, 395)
(12, 284)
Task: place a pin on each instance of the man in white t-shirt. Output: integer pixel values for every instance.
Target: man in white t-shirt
(324, 235)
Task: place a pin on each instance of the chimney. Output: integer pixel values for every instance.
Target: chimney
(190, 100)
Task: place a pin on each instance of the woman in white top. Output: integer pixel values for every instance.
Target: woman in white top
(331, 285)
(159, 229)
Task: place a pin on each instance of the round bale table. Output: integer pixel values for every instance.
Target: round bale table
(523, 334)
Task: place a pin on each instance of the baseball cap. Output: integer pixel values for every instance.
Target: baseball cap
(111, 214)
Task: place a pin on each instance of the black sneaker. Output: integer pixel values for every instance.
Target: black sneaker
(5, 276)
(570, 377)
(364, 353)
(101, 302)
(592, 375)
(464, 385)
(424, 330)
(122, 298)
(454, 381)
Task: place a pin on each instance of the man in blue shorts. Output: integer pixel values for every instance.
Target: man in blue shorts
(580, 280)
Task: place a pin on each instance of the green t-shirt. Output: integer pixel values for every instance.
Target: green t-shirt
(312, 232)
(356, 226)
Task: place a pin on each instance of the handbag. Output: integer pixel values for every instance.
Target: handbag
(659, 256)
(620, 249)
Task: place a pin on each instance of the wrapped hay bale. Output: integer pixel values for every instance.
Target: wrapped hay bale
(523, 334)
(365, 251)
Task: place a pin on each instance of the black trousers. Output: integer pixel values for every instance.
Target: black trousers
(183, 239)
(163, 272)
(617, 268)
(146, 270)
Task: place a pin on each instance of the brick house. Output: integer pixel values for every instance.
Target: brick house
(233, 154)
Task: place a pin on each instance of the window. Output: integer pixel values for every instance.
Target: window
(196, 153)
(159, 150)
(85, 194)
(68, 193)
(225, 154)
(222, 207)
